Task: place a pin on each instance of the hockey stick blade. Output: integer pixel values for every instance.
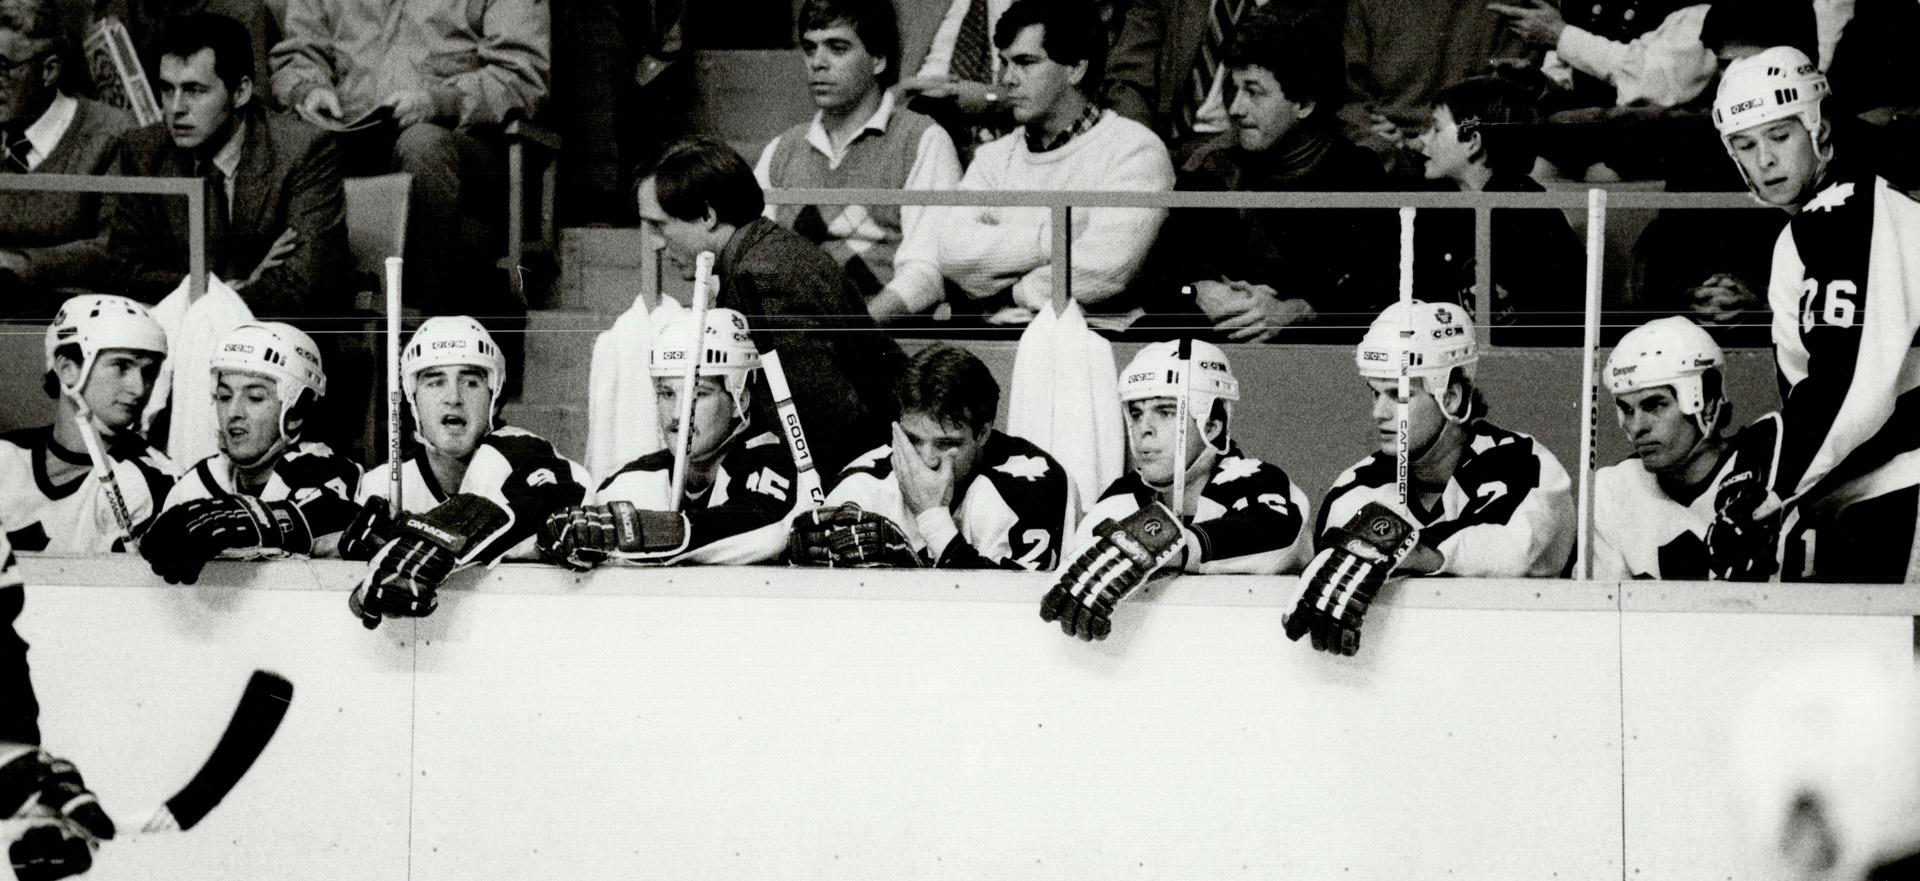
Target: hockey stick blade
(255, 719)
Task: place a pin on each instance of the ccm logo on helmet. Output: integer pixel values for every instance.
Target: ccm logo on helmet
(449, 344)
(1373, 356)
(1744, 106)
(1441, 333)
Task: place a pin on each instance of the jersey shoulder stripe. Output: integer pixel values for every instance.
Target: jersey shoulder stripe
(658, 460)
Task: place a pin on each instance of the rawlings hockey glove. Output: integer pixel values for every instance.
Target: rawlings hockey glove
(67, 820)
(580, 537)
(408, 571)
(1340, 582)
(184, 537)
(1123, 555)
(370, 531)
(849, 535)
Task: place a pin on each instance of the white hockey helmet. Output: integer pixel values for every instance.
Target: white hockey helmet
(278, 351)
(1670, 351)
(1438, 336)
(95, 322)
(1155, 372)
(727, 351)
(1777, 83)
(452, 341)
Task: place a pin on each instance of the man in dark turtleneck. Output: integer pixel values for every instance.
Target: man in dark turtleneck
(1256, 272)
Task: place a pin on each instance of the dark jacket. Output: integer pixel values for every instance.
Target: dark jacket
(288, 178)
(840, 365)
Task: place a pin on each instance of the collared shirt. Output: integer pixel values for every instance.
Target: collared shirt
(818, 138)
(45, 133)
(228, 158)
(1038, 141)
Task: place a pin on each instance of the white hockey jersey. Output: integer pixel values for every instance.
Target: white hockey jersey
(319, 481)
(514, 469)
(1506, 511)
(1012, 512)
(75, 518)
(1251, 518)
(1639, 531)
(742, 518)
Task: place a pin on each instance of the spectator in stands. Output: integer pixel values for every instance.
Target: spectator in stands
(1052, 53)
(1254, 272)
(1401, 53)
(47, 130)
(858, 138)
(1479, 141)
(1873, 67)
(450, 72)
(146, 20)
(959, 80)
(701, 196)
(277, 231)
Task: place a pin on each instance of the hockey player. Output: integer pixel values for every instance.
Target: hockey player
(740, 482)
(471, 493)
(62, 821)
(1242, 515)
(1651, 511)
(103, 357)
(1846, 306)
(268, 493)
(950, 491)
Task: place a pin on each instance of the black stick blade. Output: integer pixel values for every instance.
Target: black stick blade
(255, 720)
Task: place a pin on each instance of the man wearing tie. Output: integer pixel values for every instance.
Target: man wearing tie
(276, 227)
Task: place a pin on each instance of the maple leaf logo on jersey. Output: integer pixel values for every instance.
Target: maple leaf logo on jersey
(1233, 468)
(1023, 467)
(1830, 198)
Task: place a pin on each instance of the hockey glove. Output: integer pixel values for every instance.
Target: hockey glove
(1123, 556)
(184, 537)
(580, 537)
(1340, 582)
(408, 571)
(849, 536)
(67, 818)
(1741, 547)
(370, 531)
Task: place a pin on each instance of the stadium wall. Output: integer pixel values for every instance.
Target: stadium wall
(752, 723)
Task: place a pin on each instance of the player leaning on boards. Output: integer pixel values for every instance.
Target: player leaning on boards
(1651, 511)
(268, 493)
(103, 357)
(64, 822)
(1846, 304)
(950, 491)
(504, 481)
(1484, 501)
(739, 484)
(1241, 515)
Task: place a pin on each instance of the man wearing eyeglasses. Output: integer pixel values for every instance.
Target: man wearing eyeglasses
(46, 131)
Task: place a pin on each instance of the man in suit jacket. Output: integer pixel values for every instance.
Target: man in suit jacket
(277, 231)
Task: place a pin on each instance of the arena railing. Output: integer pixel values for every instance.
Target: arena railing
(195, 190)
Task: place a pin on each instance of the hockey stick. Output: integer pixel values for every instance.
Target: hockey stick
(255, 719)
(394, 395)
(696, 351)
(806, 477)
(1402, 418)
(1596, 245)
(103, 469)
(1182, 423)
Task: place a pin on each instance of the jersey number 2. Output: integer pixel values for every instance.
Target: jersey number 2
(1839, 307)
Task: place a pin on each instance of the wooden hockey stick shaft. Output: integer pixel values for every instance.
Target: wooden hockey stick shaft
(1402, 416)
(394, 388)
(1182, 424)
(1589, 352)
(103, 467)
(689, 386)
(808, 486)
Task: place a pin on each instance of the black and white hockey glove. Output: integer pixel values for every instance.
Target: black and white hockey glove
(1121, 558)
(66, 819)
(408, 571)
(1340, 582)
(1740, 545)
(580, 537)
(184, 537)
(851, 536)
(370, 531)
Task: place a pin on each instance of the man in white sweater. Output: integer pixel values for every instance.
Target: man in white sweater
(1052, 54)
